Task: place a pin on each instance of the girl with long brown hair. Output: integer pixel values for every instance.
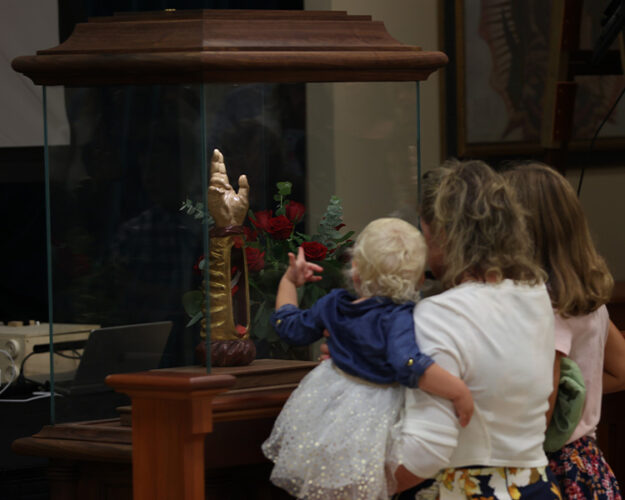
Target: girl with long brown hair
(579, 285)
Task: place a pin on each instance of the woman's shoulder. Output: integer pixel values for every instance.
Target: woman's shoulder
(476, 305)
(476, 291)
(451, 298)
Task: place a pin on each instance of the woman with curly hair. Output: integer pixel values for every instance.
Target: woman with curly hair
(493, 328)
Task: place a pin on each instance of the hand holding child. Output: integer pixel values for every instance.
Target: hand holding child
(463, 404)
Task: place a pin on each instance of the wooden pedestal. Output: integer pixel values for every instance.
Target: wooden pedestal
(171, 413)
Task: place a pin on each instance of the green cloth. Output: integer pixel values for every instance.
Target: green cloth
(569, 406)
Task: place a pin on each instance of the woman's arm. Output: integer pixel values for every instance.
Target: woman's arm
(556, 382)
(430, 427)
(406, 479)
(429, 436)
(614, 361)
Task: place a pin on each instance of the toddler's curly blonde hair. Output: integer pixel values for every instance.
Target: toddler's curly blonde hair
(389, 257)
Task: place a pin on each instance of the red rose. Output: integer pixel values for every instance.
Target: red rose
(313, 250)
(279, 227)
(338, 228)
(295, 211)
(237, 241)
(250, 234)
(262, 219)
(255, 258)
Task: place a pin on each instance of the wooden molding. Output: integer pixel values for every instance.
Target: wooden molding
(228, 46)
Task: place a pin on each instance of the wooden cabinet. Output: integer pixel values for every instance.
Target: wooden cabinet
(94, 459)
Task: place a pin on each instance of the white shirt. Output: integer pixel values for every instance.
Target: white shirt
(499, 339)
(582, 339)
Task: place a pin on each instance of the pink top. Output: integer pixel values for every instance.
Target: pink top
(583, 339)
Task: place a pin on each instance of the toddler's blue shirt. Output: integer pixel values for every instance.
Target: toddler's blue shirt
(373, 339)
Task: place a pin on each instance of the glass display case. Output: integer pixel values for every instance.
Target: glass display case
(320, 110)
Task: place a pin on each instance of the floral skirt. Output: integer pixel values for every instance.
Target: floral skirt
(582, 471)
(489, 483)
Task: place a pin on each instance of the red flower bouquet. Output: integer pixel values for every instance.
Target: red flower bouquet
(277, 234)
(267, 239)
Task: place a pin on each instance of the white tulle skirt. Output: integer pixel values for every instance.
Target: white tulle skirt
(333, 438)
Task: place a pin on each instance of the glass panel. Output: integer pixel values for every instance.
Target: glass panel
(362, 147)
(357, 141)
(261, 131)
(122, 251)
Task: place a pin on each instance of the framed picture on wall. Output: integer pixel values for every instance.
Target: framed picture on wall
(495, 84)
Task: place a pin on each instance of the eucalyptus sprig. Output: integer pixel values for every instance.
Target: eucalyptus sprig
(196, 210)
(328, 234)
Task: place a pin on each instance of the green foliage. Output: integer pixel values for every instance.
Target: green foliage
(284, 190)
(328, 234)
(192, 304)
(196, 210)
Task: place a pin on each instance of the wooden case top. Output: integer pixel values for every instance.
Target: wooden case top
(233, 46)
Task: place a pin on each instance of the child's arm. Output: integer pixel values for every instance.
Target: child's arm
(440, 382)
(293, 325)
(413, 368)
(298, 273)
(614, 361)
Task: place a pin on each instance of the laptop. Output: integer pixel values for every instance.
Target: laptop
(116, 349)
